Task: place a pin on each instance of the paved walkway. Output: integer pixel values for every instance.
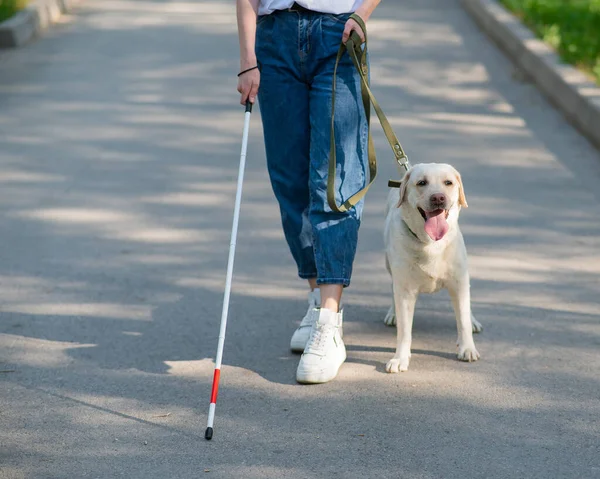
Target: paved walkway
(119, 143)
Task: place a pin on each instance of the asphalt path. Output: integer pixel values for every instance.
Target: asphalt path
(119, 145)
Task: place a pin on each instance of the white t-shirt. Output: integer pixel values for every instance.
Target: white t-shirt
(325, 6)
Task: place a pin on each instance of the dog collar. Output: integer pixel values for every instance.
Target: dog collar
(410, 231)
(396, 184)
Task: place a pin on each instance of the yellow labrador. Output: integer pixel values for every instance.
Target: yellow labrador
(425, 252)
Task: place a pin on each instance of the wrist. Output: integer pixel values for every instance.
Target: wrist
(367, 8)
(247, 62)
(363, 14)
(247, 70)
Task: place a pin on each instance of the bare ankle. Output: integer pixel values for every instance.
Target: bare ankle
(331, 295)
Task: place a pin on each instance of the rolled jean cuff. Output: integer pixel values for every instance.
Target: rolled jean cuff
(345, 282)
(307, 275)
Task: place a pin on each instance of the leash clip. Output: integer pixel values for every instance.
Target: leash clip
(401, 157)
(403, 161)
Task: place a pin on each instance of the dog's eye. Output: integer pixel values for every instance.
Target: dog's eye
(422, 183)
(448, 183)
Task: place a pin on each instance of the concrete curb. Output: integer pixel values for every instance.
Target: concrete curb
(567, 88)
(32, 21)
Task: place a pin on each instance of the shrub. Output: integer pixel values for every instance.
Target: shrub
(9, 7)
(572, 27)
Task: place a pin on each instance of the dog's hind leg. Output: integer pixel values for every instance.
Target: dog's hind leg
(390, 317)
(477, 327)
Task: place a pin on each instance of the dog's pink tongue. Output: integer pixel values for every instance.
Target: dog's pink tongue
(435, 224)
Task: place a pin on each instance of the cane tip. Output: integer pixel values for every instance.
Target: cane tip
(208, 433)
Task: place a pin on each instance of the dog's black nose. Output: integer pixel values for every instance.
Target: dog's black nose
(438, 200)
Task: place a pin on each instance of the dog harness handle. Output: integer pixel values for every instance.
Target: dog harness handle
(358, 54)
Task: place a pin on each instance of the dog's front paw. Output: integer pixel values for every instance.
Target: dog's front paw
(468, 353)
(477, 327)
(395, 365)
(390, 317)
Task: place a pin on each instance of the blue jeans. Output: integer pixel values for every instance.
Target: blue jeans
(296, 54)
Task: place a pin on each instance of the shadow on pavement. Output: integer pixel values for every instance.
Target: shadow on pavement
(118, 176)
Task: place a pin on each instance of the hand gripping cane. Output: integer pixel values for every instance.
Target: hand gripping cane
(236, 216)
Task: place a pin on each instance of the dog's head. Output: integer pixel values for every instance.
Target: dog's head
(433, 191)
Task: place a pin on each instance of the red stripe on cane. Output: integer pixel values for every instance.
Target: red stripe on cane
(215, 386)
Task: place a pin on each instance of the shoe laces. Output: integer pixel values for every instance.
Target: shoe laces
(320, 336)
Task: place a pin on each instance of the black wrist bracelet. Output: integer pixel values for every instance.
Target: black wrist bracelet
(246, 71)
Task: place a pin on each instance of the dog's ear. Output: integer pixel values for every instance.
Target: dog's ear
(462, 199)
(403, 187)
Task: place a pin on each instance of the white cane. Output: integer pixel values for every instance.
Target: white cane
(236, 216)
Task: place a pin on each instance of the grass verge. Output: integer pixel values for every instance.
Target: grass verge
(572, 27)
(9, 7)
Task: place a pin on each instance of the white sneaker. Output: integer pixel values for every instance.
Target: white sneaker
(325, 351)
(301, 335)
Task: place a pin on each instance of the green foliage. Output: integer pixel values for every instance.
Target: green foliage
(572, 27)
(9, 7)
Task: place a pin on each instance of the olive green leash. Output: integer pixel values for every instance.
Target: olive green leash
(358, 54)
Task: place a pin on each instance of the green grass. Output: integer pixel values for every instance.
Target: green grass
(9, 7)
(572, 27)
